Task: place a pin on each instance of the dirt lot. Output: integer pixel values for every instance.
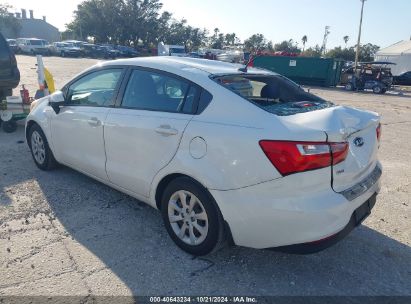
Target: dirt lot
(62, 233)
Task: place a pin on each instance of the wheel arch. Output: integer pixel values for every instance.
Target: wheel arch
(29, 124)
(161, 186)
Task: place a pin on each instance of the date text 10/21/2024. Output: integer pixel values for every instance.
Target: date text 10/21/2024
(203, 299)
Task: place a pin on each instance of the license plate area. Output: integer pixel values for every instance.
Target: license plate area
(363, 186)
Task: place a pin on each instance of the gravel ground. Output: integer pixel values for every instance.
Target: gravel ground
(62, 233)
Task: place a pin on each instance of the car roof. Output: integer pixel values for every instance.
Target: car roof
(176, 64)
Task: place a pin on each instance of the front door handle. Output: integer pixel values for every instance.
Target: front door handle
(166, 130)
(94, 121)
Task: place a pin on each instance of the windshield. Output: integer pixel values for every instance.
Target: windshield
(273, 93)
(177, 51)
(36, 42)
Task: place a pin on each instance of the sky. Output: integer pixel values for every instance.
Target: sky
(385, 21)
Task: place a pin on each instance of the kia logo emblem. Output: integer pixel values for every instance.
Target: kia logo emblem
(359, 141)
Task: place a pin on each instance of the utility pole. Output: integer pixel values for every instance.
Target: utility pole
(357, 53)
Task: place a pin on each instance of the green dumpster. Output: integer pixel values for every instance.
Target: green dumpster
(325, 72)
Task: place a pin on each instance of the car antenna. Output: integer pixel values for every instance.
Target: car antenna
(250, 60)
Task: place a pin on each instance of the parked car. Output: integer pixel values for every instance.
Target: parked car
(233, 56)
(109, 51)
(76, 43)
(65, 49)
(126, 51)
(12, 45)
(9, 72)
(403, 79)
(32, 46)
(93, 51)
(278, 168)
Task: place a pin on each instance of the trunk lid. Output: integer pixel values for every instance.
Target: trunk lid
(345, 124)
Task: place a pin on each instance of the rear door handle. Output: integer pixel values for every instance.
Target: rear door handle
(94, 121)
(166, 130)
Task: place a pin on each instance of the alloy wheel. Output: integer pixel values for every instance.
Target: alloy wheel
(38, 147)
(188, 217)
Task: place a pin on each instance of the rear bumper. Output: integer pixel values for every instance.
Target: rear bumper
(359, 215)
(288, 211)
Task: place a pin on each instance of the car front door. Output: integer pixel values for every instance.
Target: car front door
(77, 130)
(142, 135)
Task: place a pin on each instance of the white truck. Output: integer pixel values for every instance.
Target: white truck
(171, 50)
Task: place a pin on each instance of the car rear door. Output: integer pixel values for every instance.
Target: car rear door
(143, 134)
(77, 130)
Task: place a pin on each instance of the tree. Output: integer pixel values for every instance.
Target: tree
(340, 53)
(287, 46)
(304, 40)
(7, 21)
(230, 39)
(313, 51)
(256, 42)
(367, 52)
(119, 21)
(346, 38)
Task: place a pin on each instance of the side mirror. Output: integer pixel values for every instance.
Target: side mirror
(56, 101)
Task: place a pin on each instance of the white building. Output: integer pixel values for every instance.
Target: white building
(398, 53)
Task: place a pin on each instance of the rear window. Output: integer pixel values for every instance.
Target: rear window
(273, 93)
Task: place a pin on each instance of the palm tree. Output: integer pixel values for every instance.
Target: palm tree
(304, 40)
(346, 38)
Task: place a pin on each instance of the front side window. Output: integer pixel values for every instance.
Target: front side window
(94, 89)
(148, 90)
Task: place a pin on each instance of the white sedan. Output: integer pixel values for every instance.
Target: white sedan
(225, 152)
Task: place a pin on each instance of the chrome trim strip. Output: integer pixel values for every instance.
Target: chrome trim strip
(363, 186)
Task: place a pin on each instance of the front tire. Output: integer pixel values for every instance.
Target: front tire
(40, 150)
(377, 90)
(191, 217)
(9, 126)
(349, 87)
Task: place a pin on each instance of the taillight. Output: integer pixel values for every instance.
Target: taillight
(339, 152)
(379, 132)
(291, 157)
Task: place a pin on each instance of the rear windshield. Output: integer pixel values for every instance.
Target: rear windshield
(273, 93)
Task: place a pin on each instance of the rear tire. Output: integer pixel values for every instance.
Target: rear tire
(192, 217)
(40, 150)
